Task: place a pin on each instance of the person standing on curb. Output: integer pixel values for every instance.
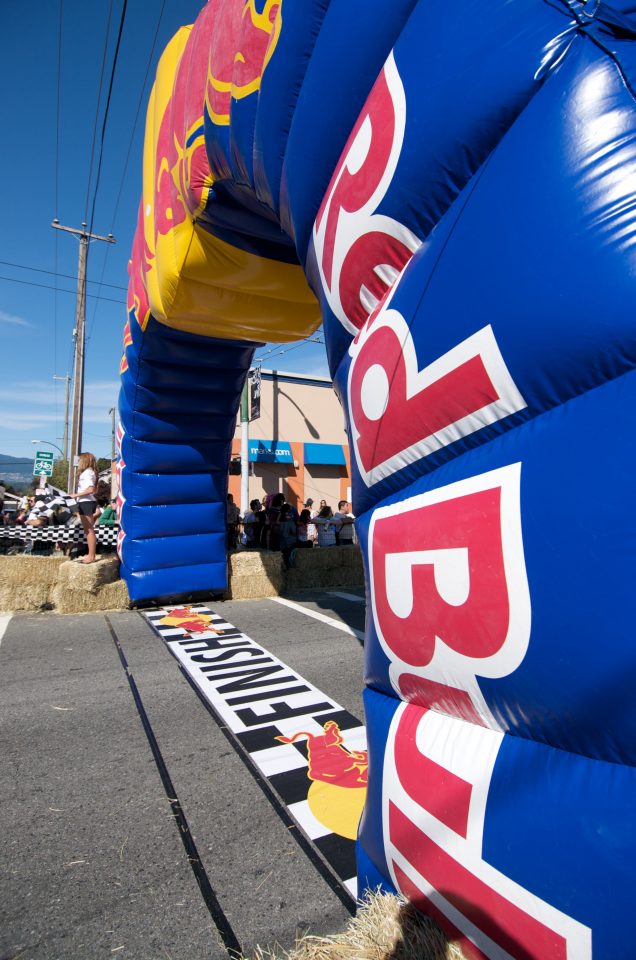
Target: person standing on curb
(87, 502)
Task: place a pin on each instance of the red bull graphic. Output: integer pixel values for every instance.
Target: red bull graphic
(400, 414)
(312, 752)
(119, 470)
(123, 366)
(360, 252)
(182, 175)
(138, 267)
(243, 45)
(339, 779)
(436, 780)
(449, 591)
(188, 620)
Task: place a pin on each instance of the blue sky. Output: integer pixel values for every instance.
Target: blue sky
(44, 172)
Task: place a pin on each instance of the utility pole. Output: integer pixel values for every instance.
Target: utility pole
(112, 412)
(79, 335)
(67, 380)
(245, 448)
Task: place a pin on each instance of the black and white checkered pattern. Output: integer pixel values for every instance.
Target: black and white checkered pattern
(284, 765)
(49, 500)
(64, 533)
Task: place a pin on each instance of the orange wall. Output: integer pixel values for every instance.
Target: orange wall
(289, 480)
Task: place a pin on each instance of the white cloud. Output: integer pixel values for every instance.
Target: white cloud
(30, 405)
(25, 420)
(16, 321)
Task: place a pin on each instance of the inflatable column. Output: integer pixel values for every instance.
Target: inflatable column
(475, 260)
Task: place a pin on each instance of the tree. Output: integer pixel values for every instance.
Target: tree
(59, 478)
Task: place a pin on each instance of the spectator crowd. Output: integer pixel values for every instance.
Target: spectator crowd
(47, 506)
(273, 524)
(270, 523)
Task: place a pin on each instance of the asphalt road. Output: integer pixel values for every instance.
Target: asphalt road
(93, 864)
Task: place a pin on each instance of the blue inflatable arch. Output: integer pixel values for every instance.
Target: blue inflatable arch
(451, 191)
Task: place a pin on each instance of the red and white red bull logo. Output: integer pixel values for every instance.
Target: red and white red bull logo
(449, 591)
(361, 253)
(450, 604)
(400, 413)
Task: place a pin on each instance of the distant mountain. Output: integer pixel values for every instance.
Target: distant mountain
(17, 471)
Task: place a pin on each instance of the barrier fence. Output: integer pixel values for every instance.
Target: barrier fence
(105, 536)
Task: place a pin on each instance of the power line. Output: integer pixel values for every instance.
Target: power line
(57, 112)
(99, 97)
(139, 104)
(270, 354)
(57, 180)
(293, 347)
(48, 286)
(66, 276)
(128, 152)
(107, 108)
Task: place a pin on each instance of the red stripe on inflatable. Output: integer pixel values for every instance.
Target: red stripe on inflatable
(523, 936)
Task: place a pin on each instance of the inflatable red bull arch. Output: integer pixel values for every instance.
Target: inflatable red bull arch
(451, 190)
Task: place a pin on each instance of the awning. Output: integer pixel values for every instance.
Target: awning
(270, 451)
(325, 453)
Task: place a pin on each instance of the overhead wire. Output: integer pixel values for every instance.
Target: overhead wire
(65, 276)
(127, 160)
(90, 165)
(313, 339)
(137, 112)
(99, 99)
(49, 286)
(113, 70)
(273, 352)
(57, 198)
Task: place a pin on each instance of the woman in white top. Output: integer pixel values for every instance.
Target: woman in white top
(87, 501)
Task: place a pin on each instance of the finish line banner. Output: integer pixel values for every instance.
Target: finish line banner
(311, 751)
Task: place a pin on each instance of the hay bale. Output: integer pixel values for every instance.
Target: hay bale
(23, 570)
(30, 596)
(88, 577)
(326, 567)
(384, 928)
(108, 596)
(255, 573)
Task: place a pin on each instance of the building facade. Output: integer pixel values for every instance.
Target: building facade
(297, 446)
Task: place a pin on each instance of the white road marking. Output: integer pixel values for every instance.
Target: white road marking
(347, 596)
(4, 623)
(338, 624)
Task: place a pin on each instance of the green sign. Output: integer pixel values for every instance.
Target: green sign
(43, 464)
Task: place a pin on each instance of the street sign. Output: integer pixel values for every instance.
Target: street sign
(43, 464)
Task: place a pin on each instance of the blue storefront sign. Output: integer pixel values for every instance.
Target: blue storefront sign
(327, 454)
(270, 451)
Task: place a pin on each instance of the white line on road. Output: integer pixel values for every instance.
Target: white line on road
(338, 624)
(4, 623)
(347, 596)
